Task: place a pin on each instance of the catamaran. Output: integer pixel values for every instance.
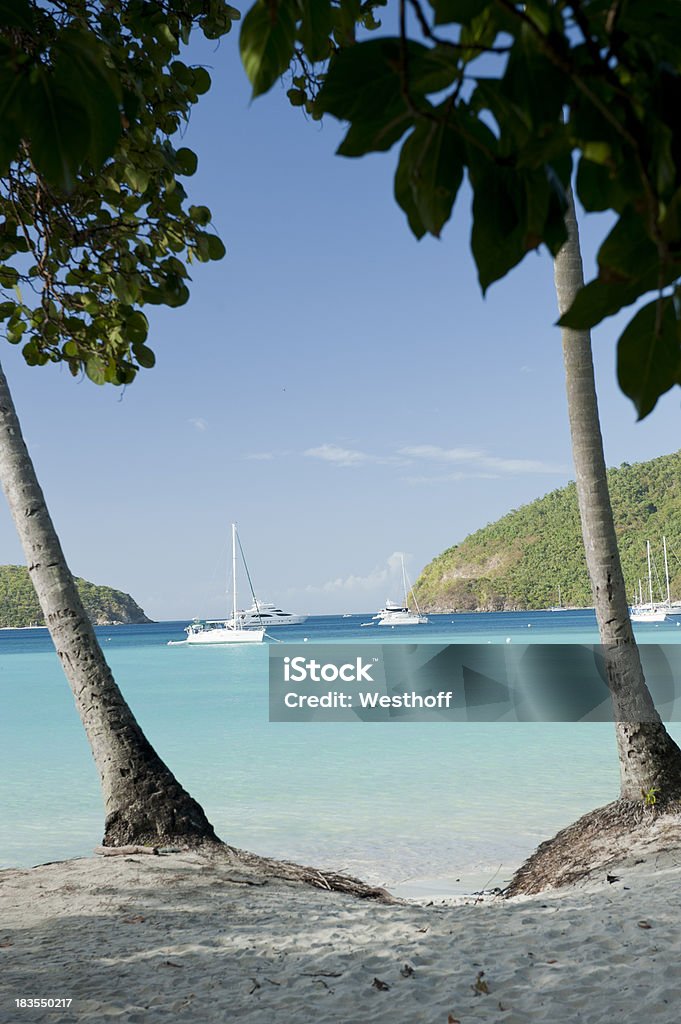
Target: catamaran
(226, 631)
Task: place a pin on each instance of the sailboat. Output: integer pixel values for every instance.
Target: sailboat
(394, 614)
(557, 607)
(650, 612)
(672, 608)
(225, 631)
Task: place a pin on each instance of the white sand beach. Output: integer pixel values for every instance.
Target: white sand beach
(145, 939)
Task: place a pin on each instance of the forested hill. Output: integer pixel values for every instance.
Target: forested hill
(19, 605)
(519, 561)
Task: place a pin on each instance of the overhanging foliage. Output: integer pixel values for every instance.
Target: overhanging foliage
(94, 218)
(512, 94)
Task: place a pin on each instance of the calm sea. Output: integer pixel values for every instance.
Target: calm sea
(423, 808)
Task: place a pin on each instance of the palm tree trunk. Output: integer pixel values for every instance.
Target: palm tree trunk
(143, 801)
(648, 757)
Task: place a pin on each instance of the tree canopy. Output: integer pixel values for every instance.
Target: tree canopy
(95, 222)
(517, 96)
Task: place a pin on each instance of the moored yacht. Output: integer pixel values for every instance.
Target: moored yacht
(261, 614)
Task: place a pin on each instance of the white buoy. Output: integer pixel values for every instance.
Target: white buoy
(508, 639)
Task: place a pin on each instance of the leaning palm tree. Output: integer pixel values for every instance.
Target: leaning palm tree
(649, 759)
(144, 802)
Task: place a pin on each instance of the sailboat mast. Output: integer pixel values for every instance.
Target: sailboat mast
(666, 570)
(234, 573)
(650, 575)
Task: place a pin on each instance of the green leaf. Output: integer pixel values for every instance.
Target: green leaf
(13, 86)
(186, 161)
(144, 356)
(595, 185)
(57, 136)
(648, 355)
(137, 328)
(200, 215)
(316, 27)
(136, 177)
(628, 249)
(216, 248)
(201, 80)
(266, 42)
(16, 14)
(364, 85)
(597, 300)
(431, 170)
(534, 85)
(81, 72)
(460, 11)
(505, 224)
(96, 369)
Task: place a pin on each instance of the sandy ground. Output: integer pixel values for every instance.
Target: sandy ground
(146, 939)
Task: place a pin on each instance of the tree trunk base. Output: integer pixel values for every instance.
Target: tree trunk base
(167, 817)
(596, 842)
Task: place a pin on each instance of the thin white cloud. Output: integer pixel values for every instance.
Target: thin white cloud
(434, 452)
(341, 456)
(474, 462)
(495, 463)
(260, 456)
(198, 423)
(444, 478)
(380, 576)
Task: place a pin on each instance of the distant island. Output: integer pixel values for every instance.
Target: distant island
(520, 561)
(19, 605)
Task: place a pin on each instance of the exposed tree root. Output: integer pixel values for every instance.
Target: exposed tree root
(331, 881)
(594, 842)
(257, 870)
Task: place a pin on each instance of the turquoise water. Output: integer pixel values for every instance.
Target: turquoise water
(419, 807)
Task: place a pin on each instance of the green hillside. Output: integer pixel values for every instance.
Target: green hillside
(19, 605)
(519, 561)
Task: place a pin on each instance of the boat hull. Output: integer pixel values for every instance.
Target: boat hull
(648, 615)
(222, 636)
(404, 620)
(267, 621)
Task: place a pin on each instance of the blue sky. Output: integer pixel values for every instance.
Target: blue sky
(338, 388)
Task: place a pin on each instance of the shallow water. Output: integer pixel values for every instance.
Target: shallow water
(427, 807)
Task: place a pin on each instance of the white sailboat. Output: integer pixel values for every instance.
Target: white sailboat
(651, 611)
(225, 631)
(394, 614)
(557, 607)
(672, 608)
